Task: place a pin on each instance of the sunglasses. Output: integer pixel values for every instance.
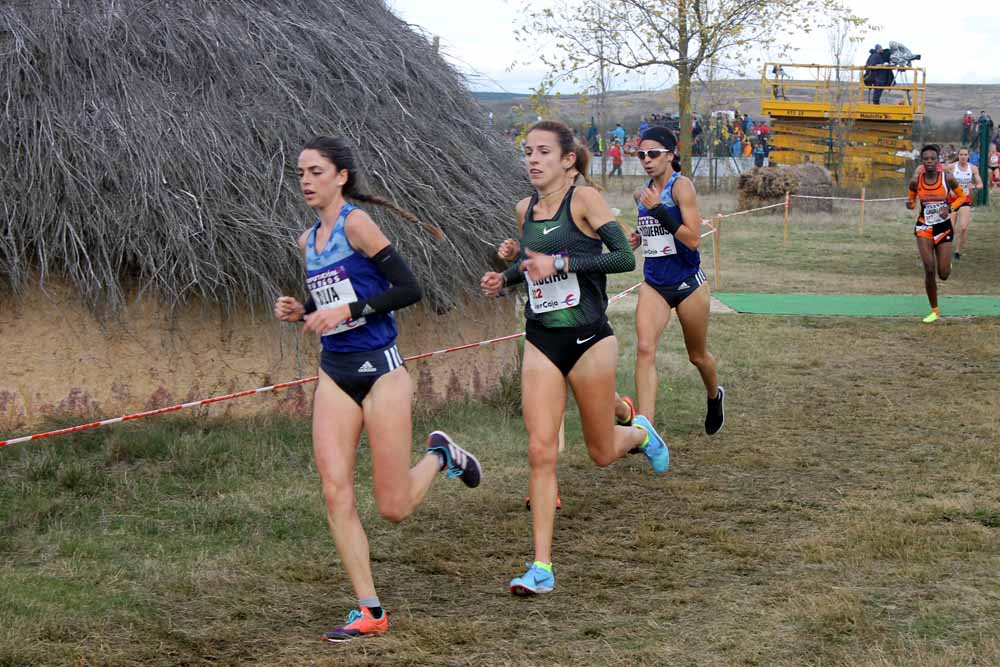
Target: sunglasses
(652, 153)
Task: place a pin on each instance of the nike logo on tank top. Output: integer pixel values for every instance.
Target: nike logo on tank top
(570, 299)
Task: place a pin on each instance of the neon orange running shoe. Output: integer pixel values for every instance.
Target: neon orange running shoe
(359, 624)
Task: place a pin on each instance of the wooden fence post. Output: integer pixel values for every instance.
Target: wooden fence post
(717, 251)
(861, 226)
(788, 202)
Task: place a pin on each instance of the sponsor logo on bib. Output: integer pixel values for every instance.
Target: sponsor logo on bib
(333, 288)
(656, 241)
(556, 292)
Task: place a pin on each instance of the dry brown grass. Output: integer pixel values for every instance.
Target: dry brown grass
(846, 516)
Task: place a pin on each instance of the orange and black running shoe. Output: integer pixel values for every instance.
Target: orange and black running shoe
(360, 623)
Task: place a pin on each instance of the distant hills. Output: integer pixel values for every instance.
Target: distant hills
(946, 103)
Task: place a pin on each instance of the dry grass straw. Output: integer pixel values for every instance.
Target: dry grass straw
(763, 186)
(152, 146)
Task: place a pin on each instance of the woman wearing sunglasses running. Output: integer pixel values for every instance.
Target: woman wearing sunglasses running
(568, 337)
(356, 279)
(669, 232)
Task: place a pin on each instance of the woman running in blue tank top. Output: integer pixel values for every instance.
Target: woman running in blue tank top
(669, 232)
(355, 280)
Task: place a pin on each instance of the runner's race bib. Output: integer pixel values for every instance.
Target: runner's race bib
(554, 293)
(936, 212)
(330, 289)
(656, 241)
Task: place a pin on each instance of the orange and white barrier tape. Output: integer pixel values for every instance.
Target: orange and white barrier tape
(259, 390)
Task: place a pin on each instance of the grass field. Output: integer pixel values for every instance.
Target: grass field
(848, 514)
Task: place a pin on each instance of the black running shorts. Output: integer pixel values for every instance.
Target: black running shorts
(940, 233)
(674, 294)
(356, 373)
(564, 346)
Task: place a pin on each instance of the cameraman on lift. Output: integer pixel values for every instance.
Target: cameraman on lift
(880, 76)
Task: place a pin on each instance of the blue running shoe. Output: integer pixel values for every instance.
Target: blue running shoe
(655, 448)
(456, 460)
(536, 581)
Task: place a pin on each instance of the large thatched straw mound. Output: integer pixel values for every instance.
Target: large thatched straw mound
(763, 186)
(152, 145)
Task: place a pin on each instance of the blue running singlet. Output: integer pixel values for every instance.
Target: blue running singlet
(340, 275)
(666, 260)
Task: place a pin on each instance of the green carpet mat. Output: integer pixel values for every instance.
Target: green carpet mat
(859, 305)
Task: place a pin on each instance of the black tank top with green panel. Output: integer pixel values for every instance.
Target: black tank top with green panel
(567, 300)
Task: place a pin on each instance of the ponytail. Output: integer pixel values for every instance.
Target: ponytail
(582, 165)
(433, 230)
(675, 164)
(338, 151)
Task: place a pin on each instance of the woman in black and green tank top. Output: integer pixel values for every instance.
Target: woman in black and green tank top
(564, 230)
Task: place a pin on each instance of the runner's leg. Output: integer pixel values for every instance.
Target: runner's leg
(652, 314)
(543, 401)
(398, 488)
(593, 382)
(337, 421)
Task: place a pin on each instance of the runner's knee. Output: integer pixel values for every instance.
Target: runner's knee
(603, 456)
(645, 349)
(543, 453)
(394, 511)
(700, 357)
(339, 498)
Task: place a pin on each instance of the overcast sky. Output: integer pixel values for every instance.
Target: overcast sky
(477, 36)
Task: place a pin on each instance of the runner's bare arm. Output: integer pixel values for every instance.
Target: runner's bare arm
(597, 216)
(404, 288)
(911, 194)
(684, 194)
(513, 275)
(288, 308)
(955, 187)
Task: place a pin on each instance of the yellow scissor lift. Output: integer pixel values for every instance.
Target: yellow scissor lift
(824, 114)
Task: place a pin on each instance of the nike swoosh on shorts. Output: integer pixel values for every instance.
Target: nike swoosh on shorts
(581, 342)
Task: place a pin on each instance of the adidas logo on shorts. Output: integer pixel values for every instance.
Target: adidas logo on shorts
(683, 286)
(367, 368)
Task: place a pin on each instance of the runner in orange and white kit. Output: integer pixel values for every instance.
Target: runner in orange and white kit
(935, 189)
(968, 177)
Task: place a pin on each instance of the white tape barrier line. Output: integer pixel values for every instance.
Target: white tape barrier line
(847, 198)
(752, 210)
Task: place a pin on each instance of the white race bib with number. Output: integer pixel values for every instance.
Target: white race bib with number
(656, 241)
(330, 289)
(936, 212)
(554, 293)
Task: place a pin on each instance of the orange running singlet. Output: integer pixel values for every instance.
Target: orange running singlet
(934, 221)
